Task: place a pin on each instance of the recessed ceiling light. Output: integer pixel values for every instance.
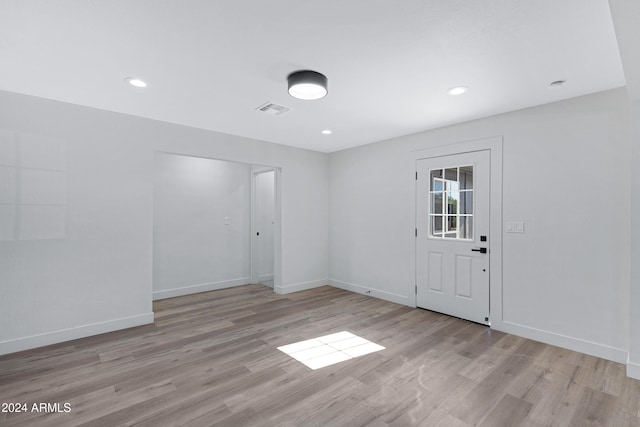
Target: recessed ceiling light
(134, 81)
(307, 84)
(327, 132)
(557, 84)
(458, 90)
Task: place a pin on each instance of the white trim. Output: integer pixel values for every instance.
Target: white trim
(633, 370)
(265, 277)
(62, 335)
(253, 241)
(588, 347)
(359, 289)
(277, 232)
(296, 287)
(204, 287)
(494, 145)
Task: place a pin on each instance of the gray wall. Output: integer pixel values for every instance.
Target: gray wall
(90, 270)
(566, 174)
(626, 16)
(201, 221)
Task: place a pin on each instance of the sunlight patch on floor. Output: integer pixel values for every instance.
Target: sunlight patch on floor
(330, 349)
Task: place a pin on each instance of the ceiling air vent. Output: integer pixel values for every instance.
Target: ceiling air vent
(273, 109)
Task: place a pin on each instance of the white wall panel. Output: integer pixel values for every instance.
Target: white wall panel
(43, 187)
(8, 184)
(7, 222)
(8, 148)
(42, 222)
(42, 152)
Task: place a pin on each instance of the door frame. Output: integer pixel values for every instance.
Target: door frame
(277, 229)
(494, 146)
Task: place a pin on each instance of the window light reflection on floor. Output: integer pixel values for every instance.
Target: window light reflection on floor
(324, 351)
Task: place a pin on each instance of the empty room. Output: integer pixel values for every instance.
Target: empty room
(336, 213)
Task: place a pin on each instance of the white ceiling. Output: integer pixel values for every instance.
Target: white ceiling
(209, 64)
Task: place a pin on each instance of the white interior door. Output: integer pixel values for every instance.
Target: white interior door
(263, 223)
(452, 241)
(265, 192)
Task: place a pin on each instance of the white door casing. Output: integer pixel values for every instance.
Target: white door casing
(452, 226)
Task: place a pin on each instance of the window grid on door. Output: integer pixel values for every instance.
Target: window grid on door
(451, 203)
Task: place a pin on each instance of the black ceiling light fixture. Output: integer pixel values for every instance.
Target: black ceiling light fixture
(307, 84)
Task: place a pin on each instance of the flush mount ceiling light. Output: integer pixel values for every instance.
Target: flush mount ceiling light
(134, 81)
(307, 84)
(327, 132)
(458, 90)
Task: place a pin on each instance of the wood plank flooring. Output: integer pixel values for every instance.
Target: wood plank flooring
(211, 359)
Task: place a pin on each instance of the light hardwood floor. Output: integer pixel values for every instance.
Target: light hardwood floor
(211, 359)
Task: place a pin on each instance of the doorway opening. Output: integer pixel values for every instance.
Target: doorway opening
(203, 212)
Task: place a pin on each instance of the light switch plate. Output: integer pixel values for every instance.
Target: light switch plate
(515, 227)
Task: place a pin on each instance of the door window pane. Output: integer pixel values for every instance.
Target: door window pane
(466, 178)
(466, 228)
(466, 202)
(451, 223)
(436, 203)
(451, 203)
(436, 225)
(451, 175)
(437, 183)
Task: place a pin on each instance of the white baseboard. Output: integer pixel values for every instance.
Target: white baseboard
(205, 287)
(633, 370)
(359, 289)
(62, 335)
(287, 289)
(571, 343)
(564, 341)
(265, 277)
